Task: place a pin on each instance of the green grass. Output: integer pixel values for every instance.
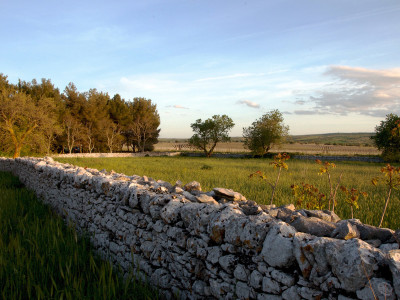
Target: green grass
(41, 258)
(234, 174)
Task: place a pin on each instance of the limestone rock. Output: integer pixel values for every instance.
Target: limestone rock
(271, 286)
(353, 262)
(291, 294)
(387, 247)
(256, 279)
(170, 212)
(278, 245)
(283, 278)
(228, 262)
(192, 186)
(345, 231)
(243, 291)
(241, 273)
(377, 288)
(250, 208)
(214, 253)
(219, 221)
(325, 215)
(394, 265)
(314, 226)
(368, 232)
(203, 198)
(228, 194)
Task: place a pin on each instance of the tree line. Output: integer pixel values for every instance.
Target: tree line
(36, 117)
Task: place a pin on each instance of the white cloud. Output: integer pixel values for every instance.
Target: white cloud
(358, 90)
(249, 103)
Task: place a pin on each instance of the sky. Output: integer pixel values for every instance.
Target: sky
(329, 66)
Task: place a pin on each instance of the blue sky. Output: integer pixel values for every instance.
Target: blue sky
(328, 65)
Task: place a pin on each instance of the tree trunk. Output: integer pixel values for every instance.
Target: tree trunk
(17, 152)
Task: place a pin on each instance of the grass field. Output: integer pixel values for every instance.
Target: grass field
(234, 174)
(41, 258)
(309, 148)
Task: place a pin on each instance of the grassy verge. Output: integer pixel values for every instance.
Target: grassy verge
(234, 174)
(41, 258)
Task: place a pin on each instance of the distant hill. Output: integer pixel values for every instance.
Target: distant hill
(349, 139)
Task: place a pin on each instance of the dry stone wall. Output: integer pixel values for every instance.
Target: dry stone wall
(217, 245)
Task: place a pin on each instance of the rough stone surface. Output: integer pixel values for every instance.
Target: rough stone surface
(278, 245)
(313, 225)
(394, 265)
(345, 230)
(228, 194)
(353, 262)
(377, 288)
(216, 245)
(192, 186)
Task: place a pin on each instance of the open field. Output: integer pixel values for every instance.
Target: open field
(237, 147)
(41, 258)
(234, 174)
(330, 144)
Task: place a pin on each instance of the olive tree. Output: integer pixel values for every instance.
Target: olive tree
(264, 132)
(210, 132)
(20, 116)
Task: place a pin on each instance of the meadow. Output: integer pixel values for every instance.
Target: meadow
(234, 174)
(294, 147)
(41, 258)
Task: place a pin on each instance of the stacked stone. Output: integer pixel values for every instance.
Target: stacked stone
(197, 245)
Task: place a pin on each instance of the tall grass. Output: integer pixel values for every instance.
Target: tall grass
(234, 174)
(41, 258)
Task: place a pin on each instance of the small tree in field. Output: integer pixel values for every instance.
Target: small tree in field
(210, 132)
(391, 177)
(265, 132)
(278, 163)
(387, 137)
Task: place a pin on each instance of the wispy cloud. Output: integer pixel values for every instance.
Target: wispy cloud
(232, 76)
(249, 103)
(357, 90)
(179, 106)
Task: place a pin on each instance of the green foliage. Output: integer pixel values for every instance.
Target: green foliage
(278, 163)
(210, 132)
(37, 118)
(24, 119)
(265, 132)
(142, 131)
(387, 137)
(41, 258)
(352, 196)
(326, 169)
(390, 178)
(307, 195)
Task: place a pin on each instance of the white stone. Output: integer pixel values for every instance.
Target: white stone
(377, 288)
(278, 245)
(271, 286)
(394, 265)
(353, 262)
(243, 291)
(256, 279)
(241, 273)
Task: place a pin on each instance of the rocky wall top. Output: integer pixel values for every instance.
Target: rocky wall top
(217, 244)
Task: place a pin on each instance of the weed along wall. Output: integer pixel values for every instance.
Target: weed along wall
(217, 244)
